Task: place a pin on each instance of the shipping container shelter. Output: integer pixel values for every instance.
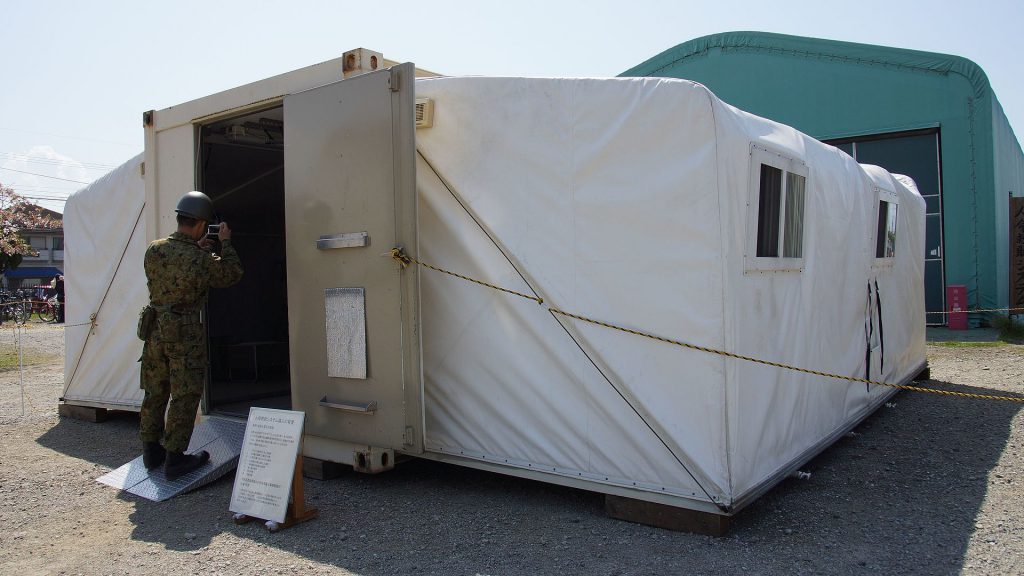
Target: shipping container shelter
(933, 117)
(645, 203)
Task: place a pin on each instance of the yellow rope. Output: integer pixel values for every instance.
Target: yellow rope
(787, 366)
(405, 260)
(977, 310)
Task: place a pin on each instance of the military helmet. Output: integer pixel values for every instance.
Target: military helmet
(196, 205)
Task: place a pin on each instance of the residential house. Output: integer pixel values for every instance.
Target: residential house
(48, 243)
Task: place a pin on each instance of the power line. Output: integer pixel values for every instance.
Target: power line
(69, 137)
(45, 199)
(19, 191)
(57, 186)
(57, 162)
(46, 195)
(44, 175)
(48, 160)
(26, 188)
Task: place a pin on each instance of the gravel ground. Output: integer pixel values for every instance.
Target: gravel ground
(929, 486)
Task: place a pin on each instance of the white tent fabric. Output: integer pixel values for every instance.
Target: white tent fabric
(628, 200)
(105, 239)
(632, 201)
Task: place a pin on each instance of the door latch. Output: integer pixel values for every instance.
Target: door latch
(395, 80)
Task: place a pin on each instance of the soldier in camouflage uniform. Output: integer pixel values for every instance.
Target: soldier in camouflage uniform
(180, 270)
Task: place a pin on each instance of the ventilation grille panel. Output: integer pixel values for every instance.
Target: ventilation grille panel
(424, 112)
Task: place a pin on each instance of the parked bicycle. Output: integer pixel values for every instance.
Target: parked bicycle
(48, 310)
(15, 306)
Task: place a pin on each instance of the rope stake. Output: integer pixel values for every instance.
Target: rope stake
(405, 260)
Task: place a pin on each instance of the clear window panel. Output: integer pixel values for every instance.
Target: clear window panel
(768, 210)
(793, 239)
(883, 219)
(885, 238)
(890, 231)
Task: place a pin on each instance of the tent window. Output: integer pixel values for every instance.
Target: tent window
(780, 213)
(776, 209)
(793, 240)
(768, 204)
(885, 240)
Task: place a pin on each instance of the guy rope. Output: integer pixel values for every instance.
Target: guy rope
(405, 260)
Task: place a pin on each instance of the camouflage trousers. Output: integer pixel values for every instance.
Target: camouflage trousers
(173, 375)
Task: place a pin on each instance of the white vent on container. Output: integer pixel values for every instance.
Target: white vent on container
(424, 112)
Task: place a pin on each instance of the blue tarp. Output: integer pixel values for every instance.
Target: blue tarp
(33, 272)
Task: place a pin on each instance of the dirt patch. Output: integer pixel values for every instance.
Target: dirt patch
(11, 360)
(929, 485)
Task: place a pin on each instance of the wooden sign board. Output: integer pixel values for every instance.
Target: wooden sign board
(266, 465)
(1016, 253)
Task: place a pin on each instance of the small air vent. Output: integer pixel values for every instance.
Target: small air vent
(424, 112)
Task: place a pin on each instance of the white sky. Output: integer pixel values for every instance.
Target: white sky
(76, 76)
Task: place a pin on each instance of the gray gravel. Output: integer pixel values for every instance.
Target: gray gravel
(929, 486)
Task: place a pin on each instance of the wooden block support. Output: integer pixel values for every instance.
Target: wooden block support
(664, 516)
(321, 469)
(87, 413)
(924, 374)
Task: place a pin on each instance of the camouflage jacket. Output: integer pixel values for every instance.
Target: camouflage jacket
(179, 274)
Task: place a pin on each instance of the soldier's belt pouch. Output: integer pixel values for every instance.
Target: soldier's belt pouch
(178, 327)
(170, 327)
(147, 322)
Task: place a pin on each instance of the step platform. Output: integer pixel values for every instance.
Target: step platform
(221, 437)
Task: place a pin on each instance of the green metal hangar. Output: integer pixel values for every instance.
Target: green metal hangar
(930, 116)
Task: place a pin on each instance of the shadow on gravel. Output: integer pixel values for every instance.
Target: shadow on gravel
(102, 443)
(901, 496)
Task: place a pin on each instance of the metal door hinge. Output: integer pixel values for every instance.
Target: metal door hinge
(396, 79)
(409, 436)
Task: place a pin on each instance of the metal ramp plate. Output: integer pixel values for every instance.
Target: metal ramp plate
(222, 438)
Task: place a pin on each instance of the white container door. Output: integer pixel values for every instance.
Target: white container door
(350, 195)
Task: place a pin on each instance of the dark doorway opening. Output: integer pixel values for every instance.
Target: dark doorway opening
(242, 169)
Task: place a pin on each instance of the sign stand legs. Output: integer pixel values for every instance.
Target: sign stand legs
(297, 511)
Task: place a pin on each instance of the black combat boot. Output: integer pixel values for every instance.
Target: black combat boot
(179, 464)
(152, 454)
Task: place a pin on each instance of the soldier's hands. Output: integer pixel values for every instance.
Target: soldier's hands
(225, 232)
(206, 243)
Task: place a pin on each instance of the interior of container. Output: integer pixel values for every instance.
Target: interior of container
(241, 167)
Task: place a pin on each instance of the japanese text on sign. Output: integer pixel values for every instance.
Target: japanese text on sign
(266, 465)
